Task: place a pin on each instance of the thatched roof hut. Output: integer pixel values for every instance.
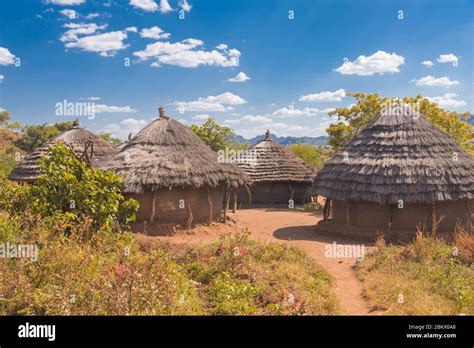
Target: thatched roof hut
(173, 174)
(276, 174)
(400, 172)
(81, 141)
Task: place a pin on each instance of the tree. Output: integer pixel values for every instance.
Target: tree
(4, 116)
(115, 142)
(350, 120)
(216, 136)
(313, 156)
(68, 187)
(36, 135)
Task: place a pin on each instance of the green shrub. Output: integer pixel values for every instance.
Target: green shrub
(68, 188)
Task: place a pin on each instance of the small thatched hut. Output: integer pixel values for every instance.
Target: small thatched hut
(277, 176)
(174, 175)
(399, 173)
(84, 144)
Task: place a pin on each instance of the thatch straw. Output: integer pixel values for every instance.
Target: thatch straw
(76, 139)
(167, 154)
(400, 155)
(268, 161)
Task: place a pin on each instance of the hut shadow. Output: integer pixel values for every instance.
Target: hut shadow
(310, 233)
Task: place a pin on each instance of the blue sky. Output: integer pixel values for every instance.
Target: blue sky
(250, 64)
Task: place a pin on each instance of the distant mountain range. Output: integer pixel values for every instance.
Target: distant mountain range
(471, 119)
(285, 141)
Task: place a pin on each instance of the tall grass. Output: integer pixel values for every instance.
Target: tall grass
(426, 276)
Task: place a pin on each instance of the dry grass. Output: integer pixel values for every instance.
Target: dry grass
(107, 273)
(425, 277)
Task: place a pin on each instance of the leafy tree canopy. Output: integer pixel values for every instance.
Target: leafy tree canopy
(36, 135)
(115, 142)
(313, 156)
(216, 136)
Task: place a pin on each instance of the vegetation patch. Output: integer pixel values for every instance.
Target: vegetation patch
(425, 277)
(238, 276)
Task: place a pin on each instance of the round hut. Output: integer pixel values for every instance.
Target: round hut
(398, 174)
(277, 176)
(84, 144)
(174, 175)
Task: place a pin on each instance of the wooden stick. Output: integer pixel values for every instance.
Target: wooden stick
(209, 200)
(469, 216)
(249, 192)
(190, 212)
(153, 209)
(434, 224)
(325, 209)
(390, 218)
(292, 192)
(226, 205)
(348, 213)
(234, 209)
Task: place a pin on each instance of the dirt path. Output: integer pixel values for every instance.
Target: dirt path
(293, 227)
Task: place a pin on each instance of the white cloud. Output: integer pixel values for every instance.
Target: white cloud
(378, 63)
(71, 14)
(65, 2)
(92, 15)
(1, 79)
(291, 111)
(100, 108)
(185, 54)
(448, 58)
(240, 77)
(432, 81)
(154, 33)
(326, 96)
(76, 29)
(165, 7)
(106, 44)
(201, 117)
(125, 127)
(185, 6)
(427, 63)
(211, 103)
(145, 5)
(249, 119)
(448, 100)
(222, 46)
(92, 98)
(6, 57)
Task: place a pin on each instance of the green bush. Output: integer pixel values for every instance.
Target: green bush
(68, 188)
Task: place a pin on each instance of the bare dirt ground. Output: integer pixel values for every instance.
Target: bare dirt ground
(285, 226)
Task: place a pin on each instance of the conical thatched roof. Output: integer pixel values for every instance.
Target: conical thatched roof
(75, 138)
(400, 155)
(167, 154)
(269, 161)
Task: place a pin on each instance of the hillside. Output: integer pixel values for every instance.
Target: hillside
(322, 140)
